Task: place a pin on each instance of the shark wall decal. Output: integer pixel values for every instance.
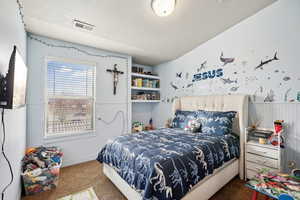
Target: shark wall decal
(173, 86)
(226, 61)
(262, 63)
(190, 85)
(228, 81)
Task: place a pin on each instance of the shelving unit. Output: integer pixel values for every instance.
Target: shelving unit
(145, 97)
(145, 88)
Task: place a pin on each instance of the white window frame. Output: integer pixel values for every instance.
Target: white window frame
(69, 134)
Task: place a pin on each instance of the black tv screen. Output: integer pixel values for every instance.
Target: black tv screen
(13, 83)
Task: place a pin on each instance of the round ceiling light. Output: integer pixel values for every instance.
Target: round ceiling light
(163, 8)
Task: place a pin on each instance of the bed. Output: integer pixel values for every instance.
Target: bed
(120, 170)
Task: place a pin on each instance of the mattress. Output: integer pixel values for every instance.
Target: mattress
(167, 163)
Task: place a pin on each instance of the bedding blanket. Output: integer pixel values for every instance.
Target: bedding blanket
(166, 163)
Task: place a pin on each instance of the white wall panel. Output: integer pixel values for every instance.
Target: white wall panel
(266, 113)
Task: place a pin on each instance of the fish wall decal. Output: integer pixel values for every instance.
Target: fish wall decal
(203, 66)
(228, 81)
(261, 89)
(173, 86)
(262, 63)
(187, 75)
(244, 63)
(234, 89)
(286, 94)
(226, 61)
(190, 85)
(270, 96)
(179, 75)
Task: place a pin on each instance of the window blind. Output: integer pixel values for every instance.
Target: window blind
(70, 108)
(66, 79)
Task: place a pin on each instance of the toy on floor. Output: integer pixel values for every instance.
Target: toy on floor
(40, 167)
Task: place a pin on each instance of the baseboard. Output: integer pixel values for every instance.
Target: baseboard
(70, 162)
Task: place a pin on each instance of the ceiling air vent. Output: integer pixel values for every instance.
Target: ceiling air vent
(83, 25)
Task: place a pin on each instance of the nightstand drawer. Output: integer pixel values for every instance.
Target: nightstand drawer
(271, 153)
(256, 167)
(262, 160)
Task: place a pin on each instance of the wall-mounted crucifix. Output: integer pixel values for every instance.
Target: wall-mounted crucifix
(115, 73)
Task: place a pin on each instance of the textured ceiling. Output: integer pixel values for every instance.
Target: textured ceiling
(130, 27)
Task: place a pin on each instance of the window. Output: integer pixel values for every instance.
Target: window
(70, 98)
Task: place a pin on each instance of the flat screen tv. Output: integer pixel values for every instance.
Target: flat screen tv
(13, 83)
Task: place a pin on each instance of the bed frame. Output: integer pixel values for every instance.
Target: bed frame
(210, 184)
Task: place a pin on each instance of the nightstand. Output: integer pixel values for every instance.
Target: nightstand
(259, 156)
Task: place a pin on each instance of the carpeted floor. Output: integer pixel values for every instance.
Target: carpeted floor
(85, 175)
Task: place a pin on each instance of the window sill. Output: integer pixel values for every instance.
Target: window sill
(65, 138)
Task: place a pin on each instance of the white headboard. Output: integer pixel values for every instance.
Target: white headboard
(238, 103)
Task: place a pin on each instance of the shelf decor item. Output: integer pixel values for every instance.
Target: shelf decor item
(262, 141)
(277, 139)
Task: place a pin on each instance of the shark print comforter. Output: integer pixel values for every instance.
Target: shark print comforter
(166, 163)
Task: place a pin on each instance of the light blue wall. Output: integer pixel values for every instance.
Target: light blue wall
(12, 33)
(273, 29)
(85, 147)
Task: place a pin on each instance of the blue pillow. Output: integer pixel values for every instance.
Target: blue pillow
(216, 122)
(182, 118)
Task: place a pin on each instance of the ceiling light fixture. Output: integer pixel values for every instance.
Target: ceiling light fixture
(163, 8)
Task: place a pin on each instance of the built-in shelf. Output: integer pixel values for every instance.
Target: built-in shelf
(145, 88)
(140, 93)
(145, 76)
(145, 101)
